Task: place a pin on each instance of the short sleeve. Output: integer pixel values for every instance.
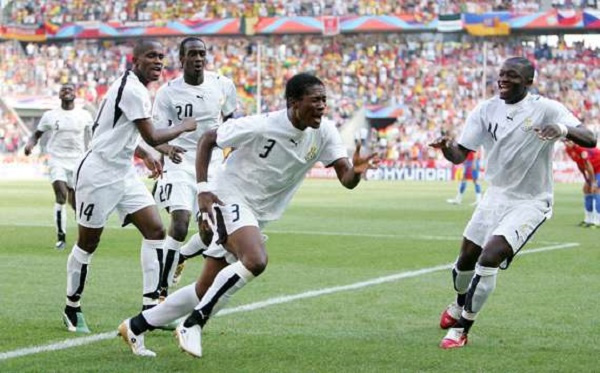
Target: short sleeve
(135, 102)
(237, 132)
(230, 101)
(161, 117)
(472, 134)
(334, 147)
(557, 113)
(45, 123)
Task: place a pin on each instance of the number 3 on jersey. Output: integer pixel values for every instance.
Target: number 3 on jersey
(268, 148)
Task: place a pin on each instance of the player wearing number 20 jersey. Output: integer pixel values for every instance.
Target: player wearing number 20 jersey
(208, 103)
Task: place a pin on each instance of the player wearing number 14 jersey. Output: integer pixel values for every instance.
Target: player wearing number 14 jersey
(210, 98)
(105, 179)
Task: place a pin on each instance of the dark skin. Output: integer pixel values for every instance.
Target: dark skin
(62, 192)
(513, 83)
(246, 243)
(148, 64)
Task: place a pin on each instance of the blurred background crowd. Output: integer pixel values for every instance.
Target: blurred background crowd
(65, 11)
(433, 80)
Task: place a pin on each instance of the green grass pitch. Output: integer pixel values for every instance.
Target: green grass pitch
(542, 317)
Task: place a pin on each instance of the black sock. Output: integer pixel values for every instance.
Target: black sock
(465, 324)
(195, 318)
(148, 306)
(461, 299)
(139, 325)
(71, 313)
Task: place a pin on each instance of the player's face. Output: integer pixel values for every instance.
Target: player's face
(311, 107)
(512, 82)
(67, 93)
(194, 59)
(150, 63)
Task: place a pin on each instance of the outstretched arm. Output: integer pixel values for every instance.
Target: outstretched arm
(349, 174)
(452, 151)
(154, 136)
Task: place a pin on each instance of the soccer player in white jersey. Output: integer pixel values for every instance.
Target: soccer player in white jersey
(518, 131)
(106, 179)
(70, 132)
(272, 154)
(210, 98)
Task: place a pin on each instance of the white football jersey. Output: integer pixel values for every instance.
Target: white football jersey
(270, 160)
(207, 102)
(67, 133)
(519, 163)
(115, 134)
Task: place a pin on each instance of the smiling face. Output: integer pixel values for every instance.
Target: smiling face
(67, 93)
(309, 110)
(148, 62)
(513, 81)
(193, 60)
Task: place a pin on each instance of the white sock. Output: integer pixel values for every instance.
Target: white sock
(176, 305)
(172, 247)
(60, 218)
(152, 266)
(77, 270)
(193, 246)
(227, 282)
(482, 286)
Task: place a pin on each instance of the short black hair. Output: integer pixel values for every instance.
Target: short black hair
(143, 45)
(297, 86)
(187, 40)
(526, 66)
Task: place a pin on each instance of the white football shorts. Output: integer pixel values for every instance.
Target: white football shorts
(515, 220)
(59, 171)
(100, 190)
(176, 190)
(229, 218)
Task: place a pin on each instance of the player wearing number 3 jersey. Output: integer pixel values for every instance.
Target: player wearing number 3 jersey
(272, 154)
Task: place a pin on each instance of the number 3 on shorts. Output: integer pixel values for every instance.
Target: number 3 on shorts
(86, 210)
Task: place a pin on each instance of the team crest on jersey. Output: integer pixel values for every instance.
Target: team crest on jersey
(527, 125)
(312, 153)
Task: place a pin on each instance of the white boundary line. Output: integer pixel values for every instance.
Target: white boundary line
(81, 341)
(456, 238)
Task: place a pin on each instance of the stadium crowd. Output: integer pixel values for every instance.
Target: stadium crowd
(35, 12)
(434, 83)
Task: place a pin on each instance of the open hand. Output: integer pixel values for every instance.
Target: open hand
(361, 164)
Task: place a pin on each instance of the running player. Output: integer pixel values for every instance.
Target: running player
(70, 132)
(272, 154)
(106, 179)
(518, 131)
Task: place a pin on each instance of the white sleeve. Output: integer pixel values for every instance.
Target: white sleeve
(557, 113)
(237, 132)
(334, 147)
(45, 123)
(230, 94)
(161, 117)
(473, 133)
(135, 103)
(87, 118)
